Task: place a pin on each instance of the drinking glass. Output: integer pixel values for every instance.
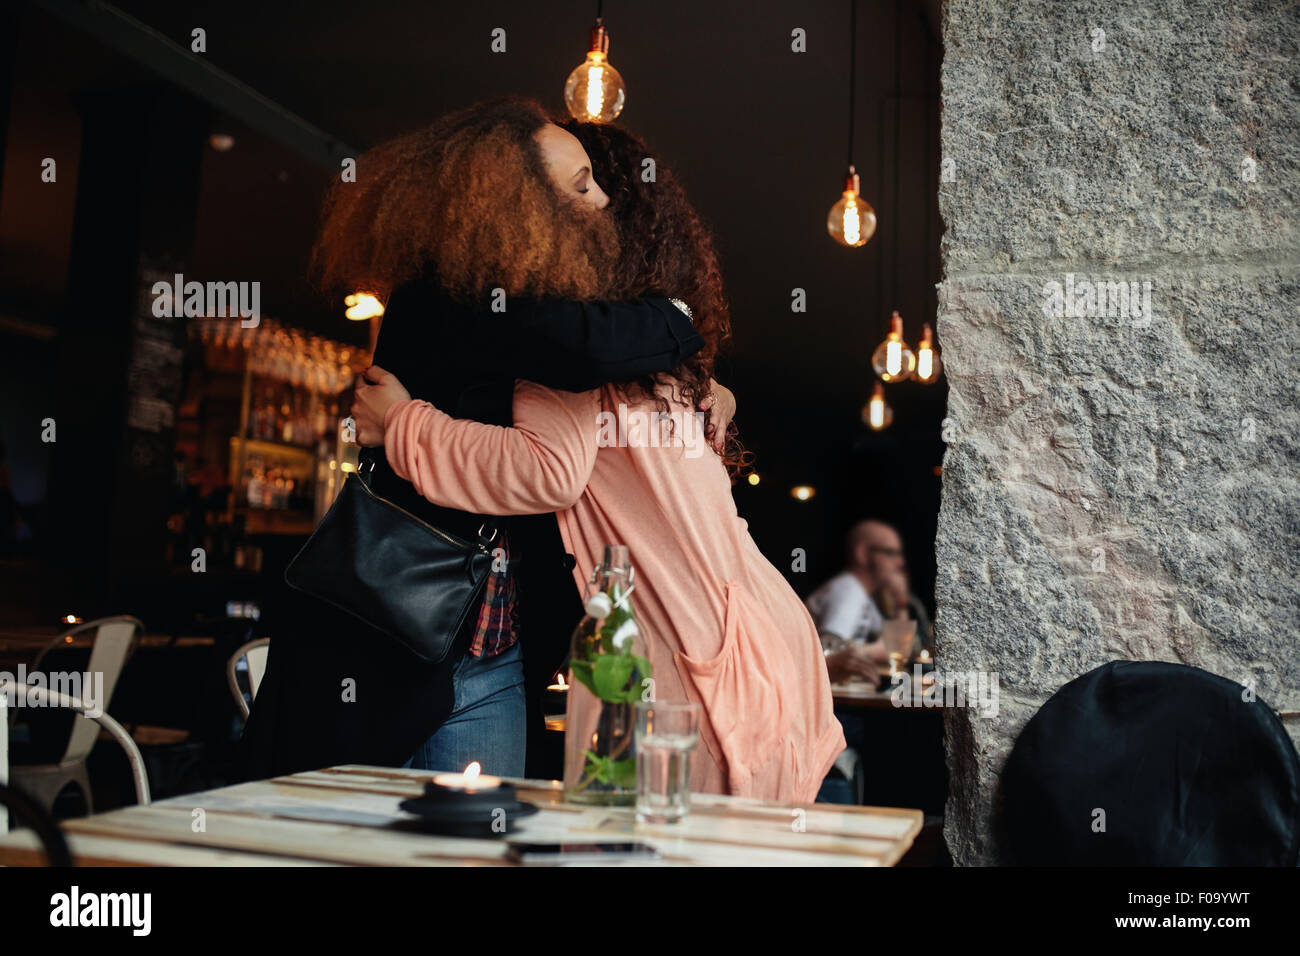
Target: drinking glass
(666, 733)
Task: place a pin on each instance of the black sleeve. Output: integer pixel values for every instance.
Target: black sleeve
(577, 346)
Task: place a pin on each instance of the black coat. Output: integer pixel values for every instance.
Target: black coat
(464, 361)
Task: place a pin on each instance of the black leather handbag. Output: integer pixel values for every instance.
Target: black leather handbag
(398, 574)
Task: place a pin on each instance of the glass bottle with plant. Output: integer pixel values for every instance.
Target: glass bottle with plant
(609, 673)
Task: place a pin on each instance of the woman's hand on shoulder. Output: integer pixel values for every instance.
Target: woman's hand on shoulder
(722, 402)
(376, 392)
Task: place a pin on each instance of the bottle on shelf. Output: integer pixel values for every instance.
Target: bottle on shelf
(254, 482)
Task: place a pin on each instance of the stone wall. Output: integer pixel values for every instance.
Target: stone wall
(1116, 486)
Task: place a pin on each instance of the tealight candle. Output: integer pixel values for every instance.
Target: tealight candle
(467, 804)
(925, 656)
(471, 781)
(557, 695)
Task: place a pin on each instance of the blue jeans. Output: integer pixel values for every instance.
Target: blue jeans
(487, 722)
(836, 788)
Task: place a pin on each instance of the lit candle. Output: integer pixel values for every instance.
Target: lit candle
(467, 804)
(559, 685)
(471, 781)
(925, 656)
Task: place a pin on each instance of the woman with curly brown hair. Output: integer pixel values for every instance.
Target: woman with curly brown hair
(486, 234)
(724, 628)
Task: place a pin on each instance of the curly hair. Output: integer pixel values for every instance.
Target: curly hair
(667, 250)
(469, 201)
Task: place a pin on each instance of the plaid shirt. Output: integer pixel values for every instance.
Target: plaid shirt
(497, 628)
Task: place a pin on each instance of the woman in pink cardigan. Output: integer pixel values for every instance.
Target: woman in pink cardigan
(723, 627)
(632, 465)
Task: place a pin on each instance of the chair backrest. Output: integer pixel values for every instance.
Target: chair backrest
(114, 640)
(44, 697)
(1148, 763)
(255, 653)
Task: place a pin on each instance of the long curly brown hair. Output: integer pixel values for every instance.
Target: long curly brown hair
(667, 250)
(467, 199)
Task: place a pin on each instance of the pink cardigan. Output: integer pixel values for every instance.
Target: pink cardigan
(723, 627)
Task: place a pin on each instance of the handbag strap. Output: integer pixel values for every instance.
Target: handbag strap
(366, 460)
(489, 528)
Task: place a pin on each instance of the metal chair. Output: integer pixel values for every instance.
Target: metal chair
(256, 653)
(115, 640)
(43, 783)
(28, 812)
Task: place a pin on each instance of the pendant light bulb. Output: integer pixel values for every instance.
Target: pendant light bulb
(893, 361)
(876, 414)
(594, 91)
(928, 365)
(852, 221)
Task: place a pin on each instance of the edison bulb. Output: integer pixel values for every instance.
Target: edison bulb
(893, 361)
(594, 91)
(928, 365)
(851, 221)
(876, 414)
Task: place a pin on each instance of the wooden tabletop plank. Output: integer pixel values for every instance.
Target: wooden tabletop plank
(819, 828)
(350, 815)
(890, 823)
(23, 848)
(328, 842)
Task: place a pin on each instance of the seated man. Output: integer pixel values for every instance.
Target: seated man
(850, 611)
(848, 607)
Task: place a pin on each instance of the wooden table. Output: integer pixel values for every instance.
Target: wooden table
(866, 695)
(900, 742)
(22, 644)
(342, 816)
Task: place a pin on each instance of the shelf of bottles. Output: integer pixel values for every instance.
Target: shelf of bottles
(288, 460)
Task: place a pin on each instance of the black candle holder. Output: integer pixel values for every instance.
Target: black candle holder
(555, 701)
(451, 811)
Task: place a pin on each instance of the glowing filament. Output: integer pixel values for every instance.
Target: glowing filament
(852, 225)
(876, 412)
(894, 357)
(595, 86)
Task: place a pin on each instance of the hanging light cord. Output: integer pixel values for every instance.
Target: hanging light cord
(898, 124)
(853, 70)
(599, 7)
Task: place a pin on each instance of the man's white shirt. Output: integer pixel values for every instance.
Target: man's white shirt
(843, 607)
